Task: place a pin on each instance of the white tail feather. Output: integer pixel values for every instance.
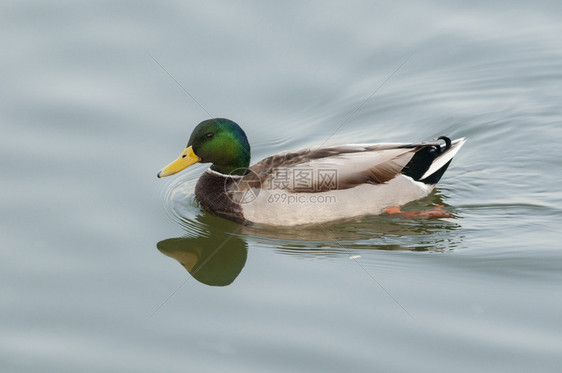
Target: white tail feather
(445, 157)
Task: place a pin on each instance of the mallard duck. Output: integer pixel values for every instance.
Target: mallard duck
(312, 185)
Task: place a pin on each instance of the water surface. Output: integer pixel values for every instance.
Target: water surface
(107, 268)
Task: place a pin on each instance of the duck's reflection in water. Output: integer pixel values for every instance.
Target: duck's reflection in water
(215, 250)
(215, 259)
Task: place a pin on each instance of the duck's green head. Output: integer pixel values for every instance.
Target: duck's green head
(218, 141)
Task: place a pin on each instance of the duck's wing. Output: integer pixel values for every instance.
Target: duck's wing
(347, 166)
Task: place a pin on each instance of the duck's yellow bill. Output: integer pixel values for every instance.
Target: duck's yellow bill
(186, 159)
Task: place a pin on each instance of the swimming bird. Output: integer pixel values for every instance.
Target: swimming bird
(311, 185)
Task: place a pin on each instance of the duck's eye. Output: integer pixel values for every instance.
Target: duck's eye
(209, 135)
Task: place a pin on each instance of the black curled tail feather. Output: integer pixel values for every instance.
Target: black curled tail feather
(423, 159)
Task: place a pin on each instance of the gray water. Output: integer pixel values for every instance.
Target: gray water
(92, 241)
